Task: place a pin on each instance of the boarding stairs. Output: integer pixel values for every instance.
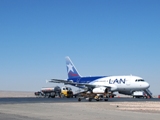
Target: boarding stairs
(148, 92)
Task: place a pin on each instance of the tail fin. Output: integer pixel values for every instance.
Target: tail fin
(71, 70)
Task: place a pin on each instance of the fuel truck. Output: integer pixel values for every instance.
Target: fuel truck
(49, 92)
(52, 92)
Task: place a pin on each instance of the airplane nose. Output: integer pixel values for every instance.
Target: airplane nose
(147, 85)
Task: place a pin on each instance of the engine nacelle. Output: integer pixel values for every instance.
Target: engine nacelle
(99, 90)
(126, 92)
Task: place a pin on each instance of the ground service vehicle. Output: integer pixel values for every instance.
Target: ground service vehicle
(49, 92)
(90, 96)
(139, 94)
(66, 92)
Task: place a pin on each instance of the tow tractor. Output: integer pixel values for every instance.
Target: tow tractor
(66, 92)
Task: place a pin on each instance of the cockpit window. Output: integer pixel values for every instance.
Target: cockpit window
(139, 80)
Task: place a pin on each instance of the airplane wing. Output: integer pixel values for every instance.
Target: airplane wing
(70, 82)
(75, 83)
(57, 81)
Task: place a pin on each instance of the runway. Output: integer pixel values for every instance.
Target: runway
(14, 100)
(32, 108)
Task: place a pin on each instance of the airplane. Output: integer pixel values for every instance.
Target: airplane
(125, 84)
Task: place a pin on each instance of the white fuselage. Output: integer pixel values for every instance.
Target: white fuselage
(122, 83)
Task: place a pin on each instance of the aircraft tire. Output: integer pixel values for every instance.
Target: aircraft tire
(90, 99)
(53, 96)
(79, 99)
(62, 96)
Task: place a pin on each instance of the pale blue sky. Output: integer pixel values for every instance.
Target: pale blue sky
(106, 37)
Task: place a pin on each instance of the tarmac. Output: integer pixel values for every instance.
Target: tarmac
(32, 108)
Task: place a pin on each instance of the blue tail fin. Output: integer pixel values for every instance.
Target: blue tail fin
(71, 70)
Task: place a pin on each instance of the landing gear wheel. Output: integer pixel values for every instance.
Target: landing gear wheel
(79, 99)
(62, 96)
(53, 96)
(90, 99)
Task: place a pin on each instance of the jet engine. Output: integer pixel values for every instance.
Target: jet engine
(100, 90)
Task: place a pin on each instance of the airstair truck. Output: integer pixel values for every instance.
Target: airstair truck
(142, 94)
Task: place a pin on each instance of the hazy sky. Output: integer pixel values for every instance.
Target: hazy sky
(102, 37)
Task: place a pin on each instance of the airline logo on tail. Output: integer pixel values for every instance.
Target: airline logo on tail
(71, 70)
